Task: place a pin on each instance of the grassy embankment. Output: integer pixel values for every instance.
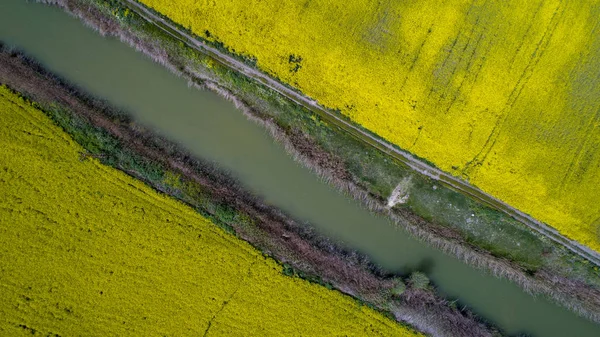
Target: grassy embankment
(452, 221)
(117, 141)
(88, 249)
(503, 94)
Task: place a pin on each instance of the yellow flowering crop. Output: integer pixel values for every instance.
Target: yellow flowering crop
(505, 94)
(88, 250)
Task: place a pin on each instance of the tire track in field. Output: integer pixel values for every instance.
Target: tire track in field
(593, 121)
(540, 48)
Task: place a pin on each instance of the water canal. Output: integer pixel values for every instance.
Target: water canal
(211, 128)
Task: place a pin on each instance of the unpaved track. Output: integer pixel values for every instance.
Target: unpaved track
(382, 145)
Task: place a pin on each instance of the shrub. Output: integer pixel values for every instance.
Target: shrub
(399, 288)
(419, 280)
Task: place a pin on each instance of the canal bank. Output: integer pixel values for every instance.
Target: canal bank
(211, 128)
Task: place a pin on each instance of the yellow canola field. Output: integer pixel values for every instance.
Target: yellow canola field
(505, 94)
(88, 250)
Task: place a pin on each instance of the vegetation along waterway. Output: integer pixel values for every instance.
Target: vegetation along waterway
(211, 128)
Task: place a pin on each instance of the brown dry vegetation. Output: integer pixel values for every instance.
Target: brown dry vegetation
(272, 231)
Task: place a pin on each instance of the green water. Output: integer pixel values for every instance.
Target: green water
(212, 128)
